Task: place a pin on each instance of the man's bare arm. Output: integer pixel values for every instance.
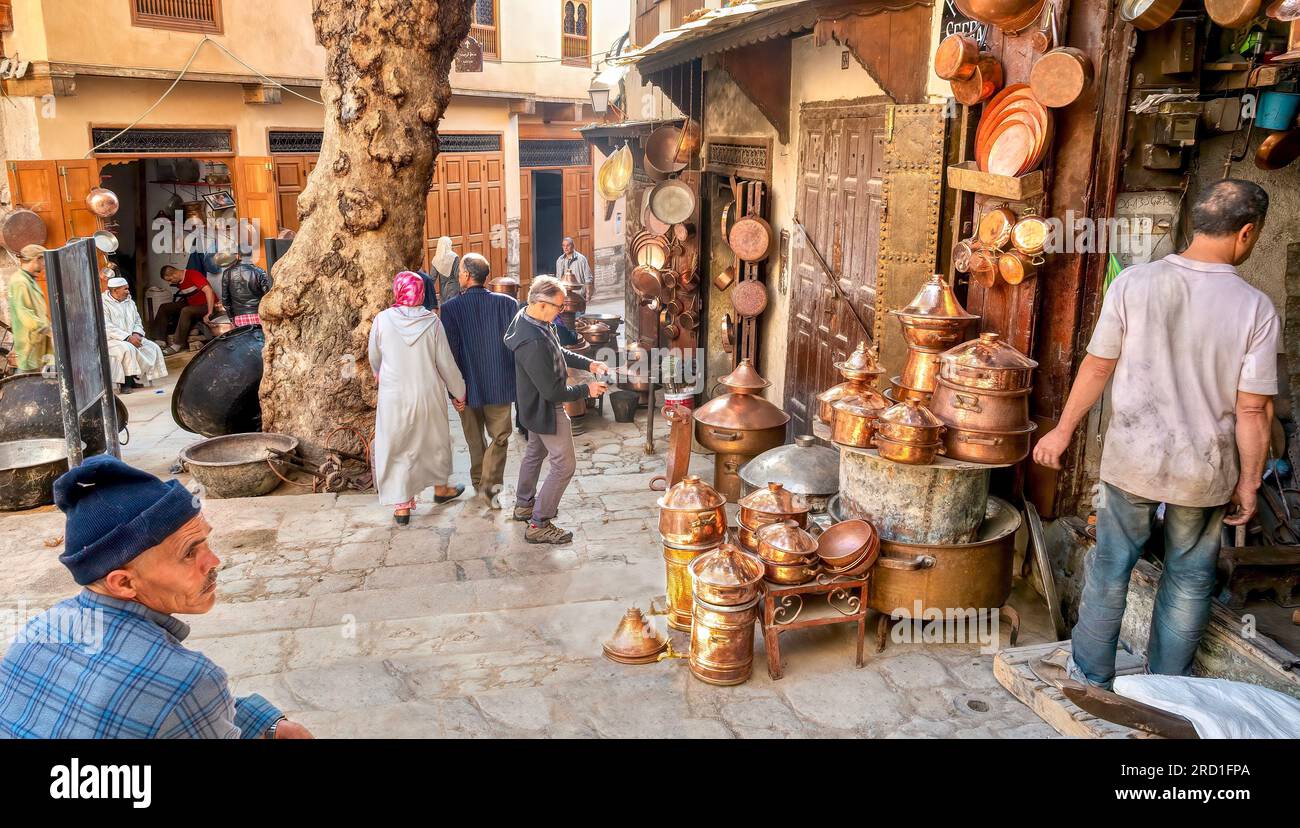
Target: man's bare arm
(1094, 373)
(1254, 432)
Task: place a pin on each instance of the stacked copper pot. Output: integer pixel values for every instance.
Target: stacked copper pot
(727, 585)
(851, 407)
(934, 322)
(788, 552)
(909, 433)
(774, 504)
(983, 401)
(692, 521)
(738, 426)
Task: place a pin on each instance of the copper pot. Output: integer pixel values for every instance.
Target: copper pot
(956, 57)
(574, 302)
(578, 408)
(1015, 267)
(855, 418)
(860, 371)
(943, 577)
(983, 84)
(909, 422)
(983, 268)
(722, 642)
(727, 576)
(934, 319)
(102, 202)
(1030, 235)
(987, 364)
(911, 454)
(921, 371)
(1061, 76)
(1148, 15)
(741, 422)
(508, 285)
(773, 504)
(661, 152)
(980, 410)
(900, 393)
(786, 544)
(961, 255)
(1011, 16)
(789, 574)
(995, 228)
(688, 142)
(692, 514)
(994, 448)
(677, 575)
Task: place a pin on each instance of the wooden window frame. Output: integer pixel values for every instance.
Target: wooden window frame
(495, 29)
(566, 38)
(646, 11)
(178, 25)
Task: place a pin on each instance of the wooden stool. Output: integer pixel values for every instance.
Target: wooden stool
(820, 602)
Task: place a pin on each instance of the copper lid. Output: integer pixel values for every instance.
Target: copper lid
(691, 495)
(989, 351)
(861, 363)
(742, 411)
(911, 413)
(727, 566)
(744, 379)
(936, 300)
(635, 640)
(594, 328)
(776, 499)
(867, 402)
(787, 537)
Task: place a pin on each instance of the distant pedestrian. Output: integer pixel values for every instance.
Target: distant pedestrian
(446, 271)
(541, 390)
(572, 261)
(476, 323)
(132, 359)
(243, 285)
(417, 373)
(29, 317)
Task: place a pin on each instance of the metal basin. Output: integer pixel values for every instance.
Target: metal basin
(235, 465)
(28, 469)
(217, 393)
(29, 410)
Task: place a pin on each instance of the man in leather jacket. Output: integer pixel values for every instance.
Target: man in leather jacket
(243, 285)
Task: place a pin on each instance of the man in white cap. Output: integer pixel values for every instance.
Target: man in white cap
(132, 357)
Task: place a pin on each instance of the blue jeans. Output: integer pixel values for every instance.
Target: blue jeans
(1182, 606)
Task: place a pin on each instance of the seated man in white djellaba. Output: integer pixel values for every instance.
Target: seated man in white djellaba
(132, 357)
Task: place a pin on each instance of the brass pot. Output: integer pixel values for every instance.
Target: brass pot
(727, 576)
(786, 544)
(855, 418)
(978, 410)
(692, 514)
(987, 364)
(993, 448)
(944, 577)
(722, 642)
(911, 454)
(677, 563)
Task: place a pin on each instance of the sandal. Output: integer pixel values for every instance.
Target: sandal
(460, 490)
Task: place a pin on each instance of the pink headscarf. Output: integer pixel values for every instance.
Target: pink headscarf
(408, 290)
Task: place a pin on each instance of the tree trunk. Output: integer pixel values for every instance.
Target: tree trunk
(362, 212)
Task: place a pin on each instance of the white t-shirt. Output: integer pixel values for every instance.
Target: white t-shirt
(1188, 336)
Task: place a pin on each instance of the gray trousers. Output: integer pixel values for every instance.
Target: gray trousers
(557, 446)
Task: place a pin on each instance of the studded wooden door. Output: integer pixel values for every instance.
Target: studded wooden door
(838, 201)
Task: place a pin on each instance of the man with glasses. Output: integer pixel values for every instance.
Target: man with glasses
(541, 390)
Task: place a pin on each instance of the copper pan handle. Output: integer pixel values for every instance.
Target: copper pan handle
(967, 402)
(909, 564)
(704, 520)
(728, 436)
(979, 440)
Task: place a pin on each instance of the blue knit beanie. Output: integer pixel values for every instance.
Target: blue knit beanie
(114, 513)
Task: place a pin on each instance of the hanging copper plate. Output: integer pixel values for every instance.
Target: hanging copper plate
(1021, 107)
(751, 238)
(651, 251)
(21, 227)
(661, 150)
(749, 298)
(646, 283)
(1278, 150)
(1232, 14)
(1061, 76)
(956, 57)
(672, 202)
(1011, 147)
(648, 219)
(995, 106)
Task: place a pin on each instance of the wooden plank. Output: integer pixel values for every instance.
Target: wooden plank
(762, 71)
(1011, 667)
(968, 178)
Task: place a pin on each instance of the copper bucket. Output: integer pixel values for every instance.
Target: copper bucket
(722, 642)
(676, 562)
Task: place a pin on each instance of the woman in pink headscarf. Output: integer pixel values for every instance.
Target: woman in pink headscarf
(417, 375)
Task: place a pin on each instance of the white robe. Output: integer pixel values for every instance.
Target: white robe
(416, 369)
(121, 319)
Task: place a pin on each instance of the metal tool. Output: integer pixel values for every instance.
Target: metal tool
(826, 268)
(1128, 712)
(1045, 574)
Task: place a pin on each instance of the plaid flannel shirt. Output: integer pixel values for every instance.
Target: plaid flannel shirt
(95, 667)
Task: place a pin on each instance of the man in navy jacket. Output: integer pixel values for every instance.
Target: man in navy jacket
(476, 322)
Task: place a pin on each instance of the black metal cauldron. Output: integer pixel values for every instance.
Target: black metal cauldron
(217, 393)
(29, 410)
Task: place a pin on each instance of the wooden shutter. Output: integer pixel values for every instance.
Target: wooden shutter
(526, 230)
(579, 210)
(255, 196)
(76, 180)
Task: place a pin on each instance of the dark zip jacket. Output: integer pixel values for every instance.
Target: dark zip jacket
(540, 375)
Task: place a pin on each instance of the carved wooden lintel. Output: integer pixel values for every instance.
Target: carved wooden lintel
(762, 71)
(891, 44)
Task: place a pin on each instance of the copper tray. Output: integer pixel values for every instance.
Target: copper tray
(749, 298)
(1010, 149)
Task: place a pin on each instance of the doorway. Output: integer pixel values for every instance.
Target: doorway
(548, 220)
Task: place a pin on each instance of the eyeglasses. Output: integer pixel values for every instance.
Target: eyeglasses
(552, 304)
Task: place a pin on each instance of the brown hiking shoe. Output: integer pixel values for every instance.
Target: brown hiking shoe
(547, 533)
(522, 513)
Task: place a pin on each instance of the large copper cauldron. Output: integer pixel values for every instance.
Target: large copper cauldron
(974, 575)
(738, 426)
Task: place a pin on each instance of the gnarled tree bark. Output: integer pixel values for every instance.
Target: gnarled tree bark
(362, 214)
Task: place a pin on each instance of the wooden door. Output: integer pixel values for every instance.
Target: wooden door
(291, 173)
(525, 230)
(467, 203)
(36, 186)
(579, 210)
(76, 180)
(838, 200)
(256, 198)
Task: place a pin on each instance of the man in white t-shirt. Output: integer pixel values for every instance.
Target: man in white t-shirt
(1193, 351)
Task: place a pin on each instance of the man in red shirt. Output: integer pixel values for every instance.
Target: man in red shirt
(194, 300)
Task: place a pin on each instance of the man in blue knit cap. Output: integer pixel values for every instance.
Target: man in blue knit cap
(109, 663)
